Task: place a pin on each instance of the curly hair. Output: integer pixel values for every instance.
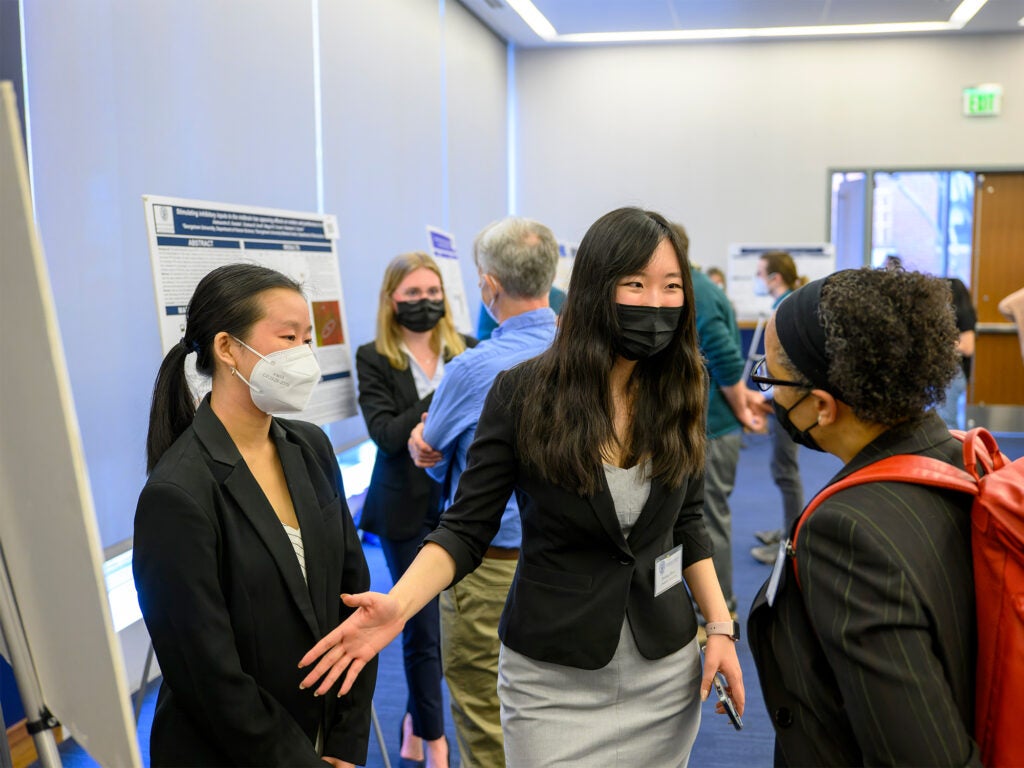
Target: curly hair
(891, 341)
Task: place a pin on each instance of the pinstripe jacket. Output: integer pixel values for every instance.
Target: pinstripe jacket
(872, 662)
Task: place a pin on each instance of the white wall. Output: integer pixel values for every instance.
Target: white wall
(735, 140)
(215, 99)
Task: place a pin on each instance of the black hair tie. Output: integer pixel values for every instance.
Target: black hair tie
(189, 347)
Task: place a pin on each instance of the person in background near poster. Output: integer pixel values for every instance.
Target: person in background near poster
(602, 440)
(243, 539)
(485, 324)
(1012, 308)
(777, 276)
(716, 276)
(398, 374)
(870, 658)
(732, 407)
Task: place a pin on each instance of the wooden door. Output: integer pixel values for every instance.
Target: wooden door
(998, 270)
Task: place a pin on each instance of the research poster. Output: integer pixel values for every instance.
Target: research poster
(442, 248)
(813, 260)
(189, 238)
(566, 258)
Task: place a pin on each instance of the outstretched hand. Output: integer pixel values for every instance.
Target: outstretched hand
(353, 643)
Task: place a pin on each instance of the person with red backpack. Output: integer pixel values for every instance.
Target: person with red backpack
(865, 635)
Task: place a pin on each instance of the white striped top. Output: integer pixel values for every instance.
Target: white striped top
(295, 536)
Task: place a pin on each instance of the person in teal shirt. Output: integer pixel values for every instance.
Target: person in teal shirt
(731, 408)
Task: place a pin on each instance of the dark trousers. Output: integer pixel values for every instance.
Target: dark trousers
(421, 646)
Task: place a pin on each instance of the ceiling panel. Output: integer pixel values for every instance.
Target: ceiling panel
(585, 16)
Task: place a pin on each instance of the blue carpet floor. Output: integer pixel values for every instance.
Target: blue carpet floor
(756, 505)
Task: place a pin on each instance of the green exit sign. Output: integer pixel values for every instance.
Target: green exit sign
(983, 100)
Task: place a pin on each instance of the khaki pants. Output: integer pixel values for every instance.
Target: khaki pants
(469, 653)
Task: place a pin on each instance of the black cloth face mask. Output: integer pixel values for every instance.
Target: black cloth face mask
(419, 316)
(799, 436)
(645, 331)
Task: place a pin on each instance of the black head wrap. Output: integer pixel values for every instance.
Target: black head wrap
(802, 336)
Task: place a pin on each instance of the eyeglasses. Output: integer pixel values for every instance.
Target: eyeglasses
(764, 382)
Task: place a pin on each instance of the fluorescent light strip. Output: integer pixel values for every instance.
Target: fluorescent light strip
(535, 19)
(965, 12)
(546, 31)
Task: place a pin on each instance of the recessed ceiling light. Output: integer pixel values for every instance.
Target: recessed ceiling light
(547, 32)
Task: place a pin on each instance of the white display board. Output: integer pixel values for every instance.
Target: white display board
(189, 238)
(442, 248)
(813, 260)
(47, 521)
(566, 258)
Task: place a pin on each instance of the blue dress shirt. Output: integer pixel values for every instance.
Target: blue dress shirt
(455, 409)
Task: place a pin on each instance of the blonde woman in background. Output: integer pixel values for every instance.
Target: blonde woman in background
(398, 373)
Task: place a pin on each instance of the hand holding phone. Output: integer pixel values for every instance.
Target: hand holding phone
(726, 701)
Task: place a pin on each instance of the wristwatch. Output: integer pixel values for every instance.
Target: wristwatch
(730, 628)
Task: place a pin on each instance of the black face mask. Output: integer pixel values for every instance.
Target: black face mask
(419, 316)
(799, 436)
(646, 331)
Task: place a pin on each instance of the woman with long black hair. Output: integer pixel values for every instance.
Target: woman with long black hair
(602, 440)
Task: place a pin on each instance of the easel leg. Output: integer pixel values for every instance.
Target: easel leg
(40, 721)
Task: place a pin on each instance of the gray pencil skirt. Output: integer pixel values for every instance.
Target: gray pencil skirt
(632, 712)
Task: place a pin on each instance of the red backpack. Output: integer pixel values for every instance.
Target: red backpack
(997, 543)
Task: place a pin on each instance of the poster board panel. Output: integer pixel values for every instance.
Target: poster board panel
(47, 522)
(189, 238)
(442, 248)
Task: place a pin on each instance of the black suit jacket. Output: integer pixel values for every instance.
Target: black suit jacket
(872, 661)
(227, 607)
(401, 496)
(578, 577)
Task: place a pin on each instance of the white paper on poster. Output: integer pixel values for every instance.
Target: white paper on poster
(566, 258)
(442, 248)
(813, 261)
(189, 238)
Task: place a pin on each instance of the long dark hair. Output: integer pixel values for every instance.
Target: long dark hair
(567, 388)
(226, 299)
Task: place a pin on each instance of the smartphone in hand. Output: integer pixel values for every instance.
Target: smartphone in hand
(724, 698)
(730, 708)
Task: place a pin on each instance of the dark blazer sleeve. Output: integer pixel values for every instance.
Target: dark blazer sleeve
(469, 525)
(862, 594)
(389, 420)
(176, 570)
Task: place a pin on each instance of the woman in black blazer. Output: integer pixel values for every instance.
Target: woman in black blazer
(398, 373)
(622, 388)
(870, 657)
(243, 539)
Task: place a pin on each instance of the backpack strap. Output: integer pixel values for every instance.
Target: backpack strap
(905, 468)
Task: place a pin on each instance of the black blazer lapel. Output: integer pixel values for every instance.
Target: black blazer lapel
(238, 482)
(604, 508)
(655, 500)
(311, 524)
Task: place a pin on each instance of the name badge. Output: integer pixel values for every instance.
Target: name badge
(773, 580)
(668, 570)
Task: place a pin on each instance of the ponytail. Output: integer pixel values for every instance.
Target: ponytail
(173, 406)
